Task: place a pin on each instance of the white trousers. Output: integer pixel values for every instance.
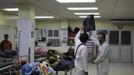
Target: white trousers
(77, 71)
(103, 69)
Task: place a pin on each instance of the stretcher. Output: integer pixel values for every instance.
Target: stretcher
(5, 68)
(9, 68)
(7, 65)
(65, 69)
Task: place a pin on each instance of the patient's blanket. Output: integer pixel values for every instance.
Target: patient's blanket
(41, 51)
(37, 69)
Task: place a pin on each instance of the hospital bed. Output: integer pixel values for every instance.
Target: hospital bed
(8, 65)
(65, 70)
(39, 56)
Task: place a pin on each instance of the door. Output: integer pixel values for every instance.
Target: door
(125, 47)
(114, 46)
(120, 46)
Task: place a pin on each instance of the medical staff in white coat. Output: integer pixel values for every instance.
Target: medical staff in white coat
(81, 62)
(102, 56)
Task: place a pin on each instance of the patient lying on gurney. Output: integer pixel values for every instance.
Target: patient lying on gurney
(57, 62)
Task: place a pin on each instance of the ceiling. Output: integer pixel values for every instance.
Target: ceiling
(108, 9)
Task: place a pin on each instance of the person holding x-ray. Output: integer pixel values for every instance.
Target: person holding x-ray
(81, 54)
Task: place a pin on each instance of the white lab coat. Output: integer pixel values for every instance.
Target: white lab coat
(102, 60)
(81, 62)
(102, 57)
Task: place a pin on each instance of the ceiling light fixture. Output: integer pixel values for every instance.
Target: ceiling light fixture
(87, 13)
(86, 16)
(11, 9)
(82, 8)
(76, 1)
(42, 17)
(36, 17)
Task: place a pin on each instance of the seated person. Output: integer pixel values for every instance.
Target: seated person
(6, 46)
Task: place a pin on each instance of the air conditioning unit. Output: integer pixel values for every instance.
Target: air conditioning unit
(122, 21)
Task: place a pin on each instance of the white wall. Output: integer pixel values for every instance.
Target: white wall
(5, 19)
(48, 24)
(78, 23)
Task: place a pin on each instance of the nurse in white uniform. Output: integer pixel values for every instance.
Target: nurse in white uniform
(81, 62)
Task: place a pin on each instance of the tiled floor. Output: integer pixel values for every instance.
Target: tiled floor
(115, 69)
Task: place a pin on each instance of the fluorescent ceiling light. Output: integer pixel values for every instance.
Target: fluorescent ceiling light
(42, 17)
(82, 8)
(76, 1)
(11, 9)
(86, 16)
(87, 13)
(37, 17)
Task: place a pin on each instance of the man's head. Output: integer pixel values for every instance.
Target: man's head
(52, 59)
(84, 37)
(50, 52)
(101, 37)
(6, 36)
(23, 62)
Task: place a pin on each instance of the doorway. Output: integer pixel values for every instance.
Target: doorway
(120, 46)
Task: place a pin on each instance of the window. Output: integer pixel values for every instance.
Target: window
(53, 38)
(56, 33)
(50, 33)
(53, 33)
(126, 37)
(114, 37)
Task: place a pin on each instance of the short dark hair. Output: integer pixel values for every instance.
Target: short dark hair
(5, 35)
(103, 35)
(50, 50)
(83, 37)
(52, 61)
